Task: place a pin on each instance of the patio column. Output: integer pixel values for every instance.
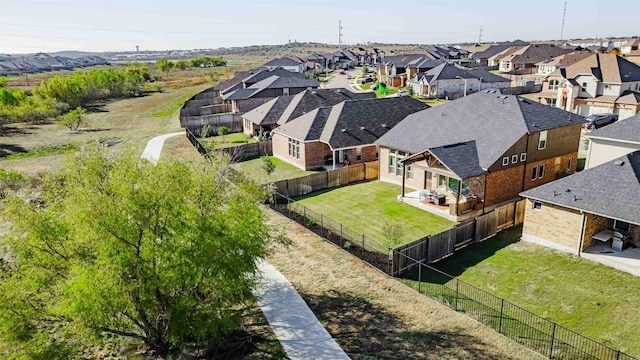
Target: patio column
(333, 158)
(404, 175)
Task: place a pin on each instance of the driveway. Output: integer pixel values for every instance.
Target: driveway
(340, 81)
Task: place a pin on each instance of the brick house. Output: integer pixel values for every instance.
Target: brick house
(341, 134)
(479, 151)
(583, 212)
(282, 109)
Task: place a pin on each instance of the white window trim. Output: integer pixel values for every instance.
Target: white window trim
(505, 161)
(541, 170)
(569, 164)
(533, 206)
(514, 159)
(523, 157)
(542, 143)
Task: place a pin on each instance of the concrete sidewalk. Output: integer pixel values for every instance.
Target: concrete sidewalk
(295, 325)
(154, 147)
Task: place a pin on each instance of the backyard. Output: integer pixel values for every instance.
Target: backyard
(228, 140)
(592, 299)
(367, 207)
(253, 169)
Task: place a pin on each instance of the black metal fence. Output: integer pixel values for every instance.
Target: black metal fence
(524, 327)
(362, 246)
(236, 153)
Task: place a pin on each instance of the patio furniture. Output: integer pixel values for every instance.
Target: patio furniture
(603, 235)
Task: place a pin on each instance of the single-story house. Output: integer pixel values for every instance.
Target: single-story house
(447, 79)
(478, 152)
(598, 207)
(613, 141)
(282, 109)
(342, 134)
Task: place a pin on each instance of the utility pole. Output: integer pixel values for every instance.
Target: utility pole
(25, 70)
(564, 14)
(480, 36)
(339, 34)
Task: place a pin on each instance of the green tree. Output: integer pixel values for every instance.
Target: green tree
(165, 66)
(160, 254)
(3, 82)
(223, 130)
(74, 118)
(182, 64)
(365, 70)
(267, 165)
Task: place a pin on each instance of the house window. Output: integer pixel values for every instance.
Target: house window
(551, 101)
(359, 154)
(537, 205)
(298, 149)
(553, 84)
(584, 87)
(534, 173)
(399, 167)
(523, 157)
(607, 87)
(514, 159)
(442, 182)
(453, 185)
(505, 161)
(541, 171)
(542, 140)
(392, 163)
(291, 147)
(569, 164)
(410, 172)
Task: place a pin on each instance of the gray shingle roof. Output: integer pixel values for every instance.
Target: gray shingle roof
(609, 190)
(626, 130)
(461, 158)
(351, 123)
(283, 61)
(302, 103)
(447, 71)
(494, 121)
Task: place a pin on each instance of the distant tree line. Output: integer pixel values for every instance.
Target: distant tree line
(165, 65)
(59, 94)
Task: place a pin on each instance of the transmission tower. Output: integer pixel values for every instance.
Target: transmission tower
(564, 14)
(339, 34)
(480, 36)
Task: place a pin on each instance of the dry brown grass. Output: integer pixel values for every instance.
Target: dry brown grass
(179, 147)
(374, 316)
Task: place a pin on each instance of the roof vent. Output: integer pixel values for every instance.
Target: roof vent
(339, 91)
(568, 190)
(343, 130)
(384, 125)
(362, 127)
(618, 163)
(555, 193)
(575, 198)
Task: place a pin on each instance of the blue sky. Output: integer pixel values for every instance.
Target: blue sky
(117, 25)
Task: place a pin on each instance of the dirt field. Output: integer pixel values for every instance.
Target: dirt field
(374, 316)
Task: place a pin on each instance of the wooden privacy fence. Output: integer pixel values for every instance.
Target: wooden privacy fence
(435, 247)
(248, 151)
(327, 179)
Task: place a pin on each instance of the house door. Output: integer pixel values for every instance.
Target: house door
(341, 155)
(427, 180)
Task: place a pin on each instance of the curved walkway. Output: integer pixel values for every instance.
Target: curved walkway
(294, 324)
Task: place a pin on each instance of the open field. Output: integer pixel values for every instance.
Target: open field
(253, 169)
(592, 299)
(366, 207)
(373, 316)
(126, 122)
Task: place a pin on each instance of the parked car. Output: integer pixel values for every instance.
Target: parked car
(348, 77)
(403, 93)
(343, 72)
(599, 120)
(364, 81)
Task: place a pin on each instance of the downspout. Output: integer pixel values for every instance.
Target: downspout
(458, 198)
(582, 228)
(404, 175)
(333, 158)
(526, 161)
(484, 194)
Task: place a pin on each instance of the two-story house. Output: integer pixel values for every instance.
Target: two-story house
(548, 66)
(447, 79)
(287, 63)
(600, 83)
(478, 152)
(397, 70)
(528, 56)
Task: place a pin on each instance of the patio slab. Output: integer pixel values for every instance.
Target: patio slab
(627, 260)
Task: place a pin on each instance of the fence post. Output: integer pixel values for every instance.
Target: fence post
(341, 239)
(457, 286)
(553, 338)
(419, 278)
(304, 212)
(501, 312)
(321, 225)
(362, 245)
(390, 262)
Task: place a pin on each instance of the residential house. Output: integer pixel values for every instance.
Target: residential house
(287, 63)
(600, 83)
(478, 152)
(528, 56)
(629, 46)
(494, 60)
(612, 141)
(482, 52)
(397, 70)
(594, 213)
(374, 56)
(319, 59)
(282, 109)
(344, 58)
(265, 85)
(342, 134)
(548, 66)
(447, 80)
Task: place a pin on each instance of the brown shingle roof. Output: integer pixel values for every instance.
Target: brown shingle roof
(609, 68)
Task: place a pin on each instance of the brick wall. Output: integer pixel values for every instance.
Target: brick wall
(555, 168)
(593, 226)
(313, 154)
(418, 173)
(554, 224)
(503, 185)
(368, 154)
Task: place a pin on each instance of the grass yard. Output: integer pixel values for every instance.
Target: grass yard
(366, 207)
(373, 316)
(531, 96)
(226, 141)
(592, 299)
(253, 169)
(390, 91)
(366, 86)
(431, 102)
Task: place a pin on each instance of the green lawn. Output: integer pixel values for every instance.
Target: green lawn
(253, 169)
(390, 91)
(366, 207)
(366, 86)
(226, 141)
(531, 96)
(431, 102)
(592, 299)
